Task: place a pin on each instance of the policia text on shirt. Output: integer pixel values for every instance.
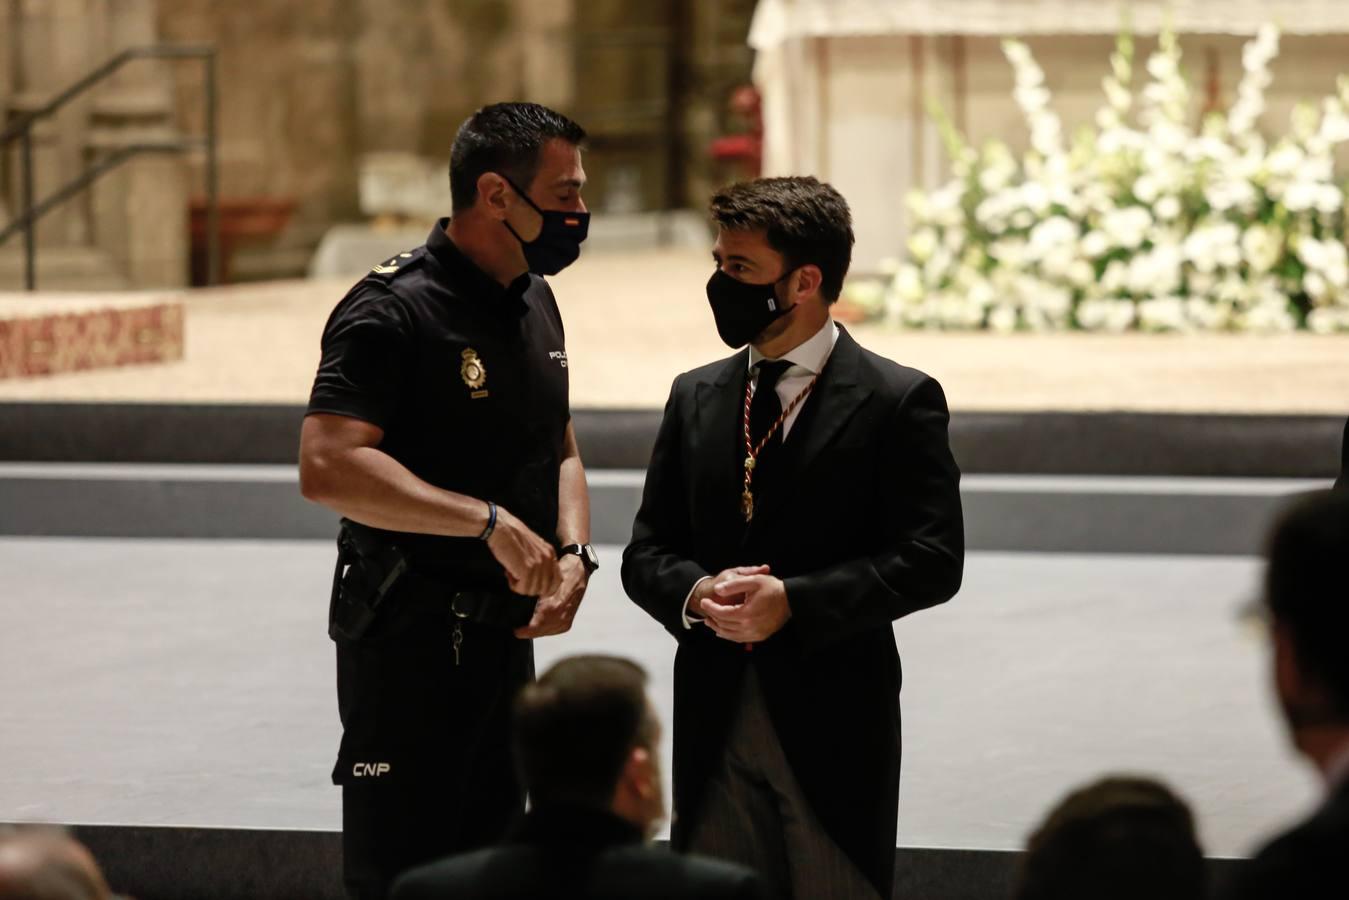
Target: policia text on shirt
(439, 429)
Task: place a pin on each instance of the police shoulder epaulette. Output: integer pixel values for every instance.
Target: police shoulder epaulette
(400, 263)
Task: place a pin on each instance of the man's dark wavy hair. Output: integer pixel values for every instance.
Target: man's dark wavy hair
(804, 219)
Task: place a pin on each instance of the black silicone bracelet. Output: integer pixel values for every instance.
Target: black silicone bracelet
(491, 521)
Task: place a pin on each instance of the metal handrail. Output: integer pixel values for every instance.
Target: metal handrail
(22, 130)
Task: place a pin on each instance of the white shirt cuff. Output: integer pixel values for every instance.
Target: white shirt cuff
(684, 613)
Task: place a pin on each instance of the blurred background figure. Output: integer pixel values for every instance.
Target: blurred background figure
(1307, 596)
(1117, 839)
(41, 863)
(586, 742)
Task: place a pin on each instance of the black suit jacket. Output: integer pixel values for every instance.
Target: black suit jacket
(862, 522)
(1306, 863)
(1343, 481)
(577, 854)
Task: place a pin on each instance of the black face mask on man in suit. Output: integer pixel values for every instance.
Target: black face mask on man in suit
(743, 310)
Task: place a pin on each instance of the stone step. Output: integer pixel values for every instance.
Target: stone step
(60, 269)
(1022, 513)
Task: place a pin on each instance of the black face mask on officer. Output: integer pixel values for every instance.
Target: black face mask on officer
(743, 310)
(558, 243)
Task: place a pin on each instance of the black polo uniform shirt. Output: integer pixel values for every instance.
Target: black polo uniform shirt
(467, 379)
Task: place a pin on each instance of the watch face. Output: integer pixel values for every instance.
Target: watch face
(591, 556)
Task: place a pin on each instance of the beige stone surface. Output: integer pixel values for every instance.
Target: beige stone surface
(636, 319)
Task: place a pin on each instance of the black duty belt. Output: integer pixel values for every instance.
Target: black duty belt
(500, 609)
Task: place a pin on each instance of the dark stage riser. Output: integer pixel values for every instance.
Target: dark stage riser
(1032, 443)
(168, 863)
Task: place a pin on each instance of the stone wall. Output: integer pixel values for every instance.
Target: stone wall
(130, 227)
(310, 86)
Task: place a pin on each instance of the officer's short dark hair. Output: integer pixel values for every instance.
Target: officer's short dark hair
(805, 220)
(575, 727)
(505, 138)
(1120, 838)
(1307, 588)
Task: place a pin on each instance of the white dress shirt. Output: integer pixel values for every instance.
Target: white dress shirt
(807, 359)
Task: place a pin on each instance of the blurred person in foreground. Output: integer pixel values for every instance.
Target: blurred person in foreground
(586, 743)
(44, 863)
(1307, 600)
(801, 497)
(439, 428)
(1120, 838)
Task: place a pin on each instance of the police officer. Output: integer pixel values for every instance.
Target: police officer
(439, 429)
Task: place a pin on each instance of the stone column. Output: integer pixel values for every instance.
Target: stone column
(52, 51)
(140, 209)
(7, 25)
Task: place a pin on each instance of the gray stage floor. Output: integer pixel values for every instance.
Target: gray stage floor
(190, 683)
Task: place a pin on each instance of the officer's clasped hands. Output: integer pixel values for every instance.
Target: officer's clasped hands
(530, 561)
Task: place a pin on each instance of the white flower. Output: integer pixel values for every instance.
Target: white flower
(1286, 159)
(1213, 245)
(1232, 194)
(1054, 302)
(1314, 283)
(1328, 258)
(1168, 208)
(1334, 122)
(1146, 189)
(1261, 247)
(1010, 252)
(908, 284)
(922, 243)
(1115, 276)
(917, 204)
(1327, 320)
(1268, 317)
(1163, 314)
(1081, 273)
(1201, 284)
(1156, 273)
(1095, 243)
(1300, 196)
(1128, 226)
(1207, 315)
(1002, 318)
(938, 266)
(1053, 232)
(1329, 199)
(944, 205)
(1106, 315)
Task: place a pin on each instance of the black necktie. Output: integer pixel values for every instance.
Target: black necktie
(766, 406)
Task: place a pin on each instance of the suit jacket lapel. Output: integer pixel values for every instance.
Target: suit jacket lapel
(719, 434)
(837, 395)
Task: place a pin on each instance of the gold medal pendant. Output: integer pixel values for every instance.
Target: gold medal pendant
(747, 505)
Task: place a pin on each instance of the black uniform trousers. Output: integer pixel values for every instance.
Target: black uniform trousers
(425, 765)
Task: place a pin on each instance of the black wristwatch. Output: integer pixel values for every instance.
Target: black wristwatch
(587, 553)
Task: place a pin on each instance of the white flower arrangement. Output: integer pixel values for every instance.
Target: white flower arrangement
(1140, 222)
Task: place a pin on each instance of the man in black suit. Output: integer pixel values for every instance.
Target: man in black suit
(1307, 595)
(801, 496)
(584, 740)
